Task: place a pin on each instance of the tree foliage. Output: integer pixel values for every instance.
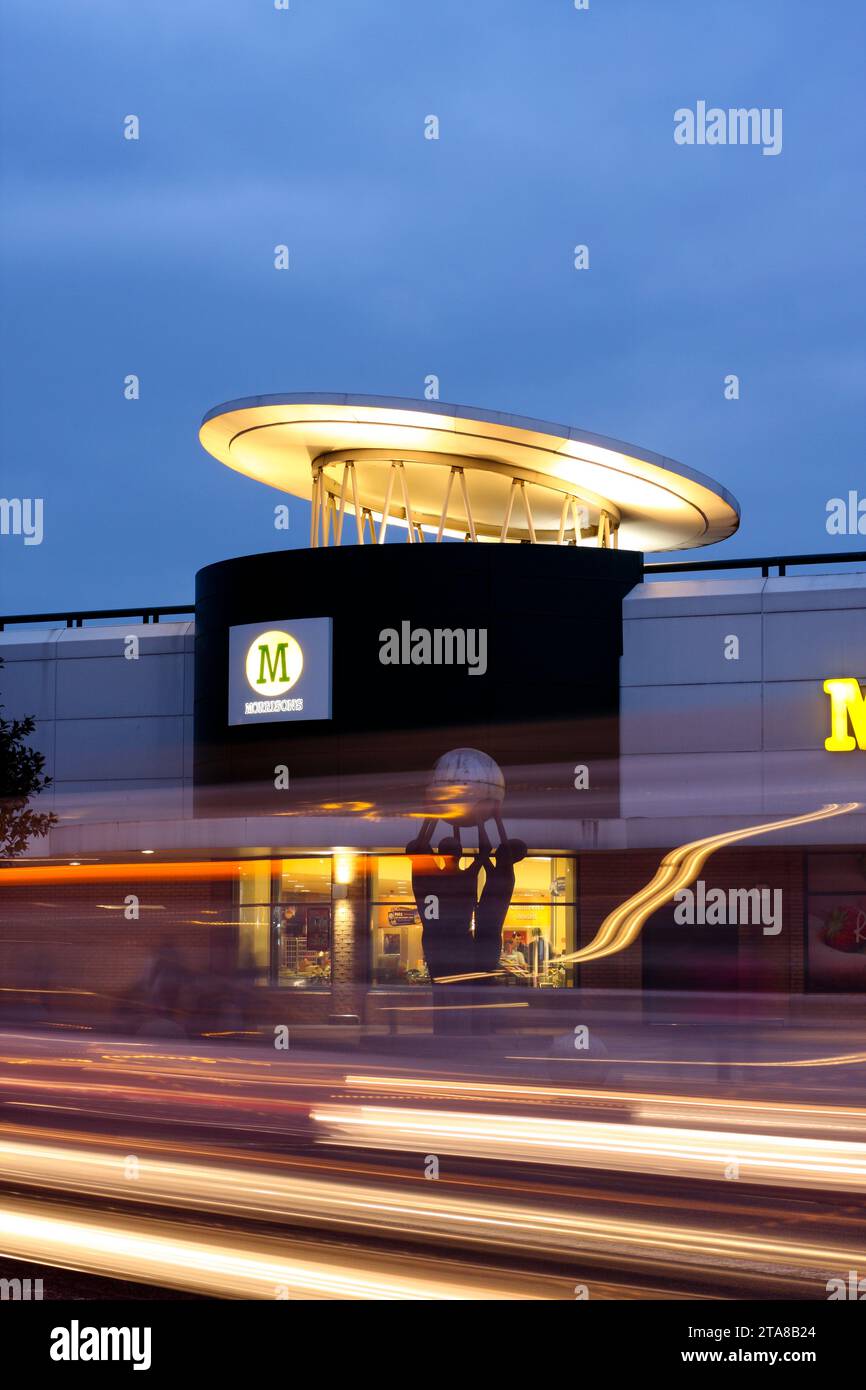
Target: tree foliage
(21, 777)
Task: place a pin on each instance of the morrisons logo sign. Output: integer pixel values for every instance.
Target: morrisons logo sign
(280, 671)
(274, 663)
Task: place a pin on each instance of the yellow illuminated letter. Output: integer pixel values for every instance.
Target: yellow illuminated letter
(846, 704)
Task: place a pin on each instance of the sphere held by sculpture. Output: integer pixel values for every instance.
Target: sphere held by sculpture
(466, 787)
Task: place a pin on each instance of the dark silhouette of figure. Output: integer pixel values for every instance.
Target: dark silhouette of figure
(445, 898)
(495, 897)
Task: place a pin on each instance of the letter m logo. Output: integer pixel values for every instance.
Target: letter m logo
(272, 666)
(847, 707)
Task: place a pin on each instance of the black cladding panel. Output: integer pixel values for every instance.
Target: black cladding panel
(548, 699)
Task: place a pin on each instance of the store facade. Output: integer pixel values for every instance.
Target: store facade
(286, 910)
(257, 776)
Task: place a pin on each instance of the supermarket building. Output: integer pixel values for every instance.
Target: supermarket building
(631, 709)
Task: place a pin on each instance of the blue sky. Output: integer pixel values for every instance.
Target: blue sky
(412, 256)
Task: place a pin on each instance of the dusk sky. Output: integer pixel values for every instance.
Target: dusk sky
(411, 256)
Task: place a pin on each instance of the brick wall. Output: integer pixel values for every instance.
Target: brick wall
(350, 942)
(605, 881)
(78, 940)
(766, 963)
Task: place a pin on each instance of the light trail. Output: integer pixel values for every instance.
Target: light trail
(678, 868)
(156, 871)
(192, 1257)
(156, 1253)
(846, 1059)
(449, 1008)
(778, 1160)
(92, 1090)
(646, 1104)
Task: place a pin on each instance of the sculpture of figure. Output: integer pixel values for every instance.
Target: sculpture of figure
(445, 898)
(496, 895)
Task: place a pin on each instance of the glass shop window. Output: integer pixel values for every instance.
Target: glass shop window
(539, 926)
(836, 923)
(285, 921)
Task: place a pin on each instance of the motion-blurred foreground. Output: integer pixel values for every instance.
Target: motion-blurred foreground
(719, 1152)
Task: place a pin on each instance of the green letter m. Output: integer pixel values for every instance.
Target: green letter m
(278, 661)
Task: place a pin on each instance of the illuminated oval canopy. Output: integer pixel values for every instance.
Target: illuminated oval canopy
(456, 471)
